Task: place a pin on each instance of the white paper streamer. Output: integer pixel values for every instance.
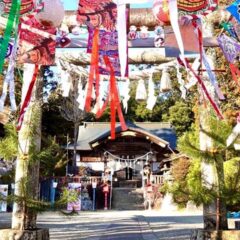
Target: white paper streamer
(9, 81)
(151, 101)
(181, 82)
(235, 133)
(191, 78)
(126, 94)
(173, 7)
(141, 93)
(122, 37)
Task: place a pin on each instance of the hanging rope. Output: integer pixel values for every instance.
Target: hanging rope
(128, 159)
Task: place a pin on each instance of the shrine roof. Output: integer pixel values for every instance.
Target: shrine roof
(161, 133)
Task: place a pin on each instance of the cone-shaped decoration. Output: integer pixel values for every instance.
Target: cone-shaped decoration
(165, 84)
(141, 92)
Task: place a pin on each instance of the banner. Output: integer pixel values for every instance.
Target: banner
(37, 43)
(74, 206)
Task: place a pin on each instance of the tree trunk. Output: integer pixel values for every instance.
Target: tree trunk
(76, 127)
(221, 205)
(214, 214)
(27, 170)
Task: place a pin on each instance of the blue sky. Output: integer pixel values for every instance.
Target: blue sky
(72, 4)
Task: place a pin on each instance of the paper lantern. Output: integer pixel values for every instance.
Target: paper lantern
(52, 13)
(165, 84)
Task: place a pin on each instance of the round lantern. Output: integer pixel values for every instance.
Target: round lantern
(52, 13)
(161, 11)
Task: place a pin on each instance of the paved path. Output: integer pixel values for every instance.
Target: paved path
(116, 225)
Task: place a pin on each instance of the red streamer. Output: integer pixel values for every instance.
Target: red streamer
(114, 101)
(27, 99)
(235, 73)
(214, 105)
(94, 71)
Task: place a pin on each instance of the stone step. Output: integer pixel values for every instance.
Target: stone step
(127, 199)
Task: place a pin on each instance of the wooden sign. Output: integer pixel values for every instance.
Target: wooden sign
(91, 159)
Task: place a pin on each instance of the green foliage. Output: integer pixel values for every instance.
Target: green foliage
(180, 115)
(189, 181)
(9, 144)
(52, 157)
(232, 181)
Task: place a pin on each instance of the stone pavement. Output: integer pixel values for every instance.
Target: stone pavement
(116, 225)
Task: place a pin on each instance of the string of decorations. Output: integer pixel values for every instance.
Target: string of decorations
(143, 157)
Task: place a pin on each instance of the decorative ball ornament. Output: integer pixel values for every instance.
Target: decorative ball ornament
(161, 11)
(190, 8)
(52, 14)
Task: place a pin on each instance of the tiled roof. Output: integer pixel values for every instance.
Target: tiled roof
(91, 132)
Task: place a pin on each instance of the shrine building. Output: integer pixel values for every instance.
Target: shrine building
(142, 147)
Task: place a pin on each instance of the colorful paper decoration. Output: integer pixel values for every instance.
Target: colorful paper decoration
(161, 11)
(204, 88)
(196, 7)
(133, 34)
(144, 32)
(159, 36)
(96, 13)
(26, 6)
(231, 51)
(234, 9)
(207, 62)
(37, 43)
(230, 29)
(12, 22)
(31, 71)
(9, 82)
(52, 13)
(230, 47)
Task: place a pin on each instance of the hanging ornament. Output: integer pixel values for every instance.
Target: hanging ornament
(151, 101)
(96, 13)
(26, 6)
(132, 35)
(231, 51)
(141, 92)
(144, 32)
(125, 90)
(230, 29)
(159, 36)
(165, 84)
(9, 81)
(181, 82)
(52, 13)
(161, 11)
